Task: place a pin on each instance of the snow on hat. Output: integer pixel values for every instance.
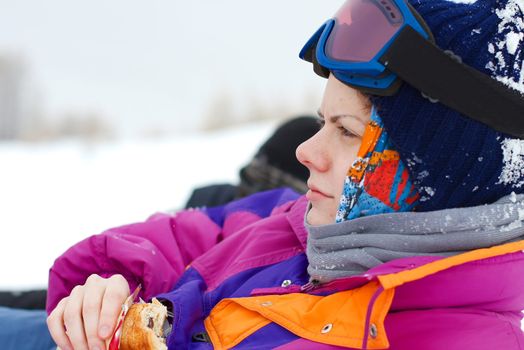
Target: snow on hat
(456, 161)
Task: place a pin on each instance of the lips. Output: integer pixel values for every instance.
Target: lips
(315, 193)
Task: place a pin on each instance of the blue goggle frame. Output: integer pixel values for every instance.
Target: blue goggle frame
(371, 75)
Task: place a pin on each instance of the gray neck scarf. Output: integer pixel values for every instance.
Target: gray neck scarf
(352, 247)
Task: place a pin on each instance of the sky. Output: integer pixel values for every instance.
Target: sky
(161, 64)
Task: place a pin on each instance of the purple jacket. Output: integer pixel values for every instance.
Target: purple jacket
(235, 277)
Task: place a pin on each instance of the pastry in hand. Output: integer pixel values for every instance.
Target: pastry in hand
(144, 327)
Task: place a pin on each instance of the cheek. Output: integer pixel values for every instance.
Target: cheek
(343, 162)
(325, 212)
(339, 180)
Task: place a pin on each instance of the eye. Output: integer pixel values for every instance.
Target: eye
(345, 132)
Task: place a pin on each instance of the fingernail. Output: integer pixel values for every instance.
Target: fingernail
(104, 331)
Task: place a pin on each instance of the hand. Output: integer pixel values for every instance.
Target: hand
(86, 318)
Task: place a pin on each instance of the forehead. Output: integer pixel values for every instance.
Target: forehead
(340, 99)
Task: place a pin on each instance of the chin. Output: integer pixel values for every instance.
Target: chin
(317, 217)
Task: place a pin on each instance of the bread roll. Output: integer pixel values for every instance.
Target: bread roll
(143, 327)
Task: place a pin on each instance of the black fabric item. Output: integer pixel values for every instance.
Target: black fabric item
(213, 195)
(279, 149)
(260, 176)
(29, 300)
(442, 77)
(274, 165)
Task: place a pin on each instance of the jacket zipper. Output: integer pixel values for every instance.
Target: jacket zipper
(201, 337)
(311, 285)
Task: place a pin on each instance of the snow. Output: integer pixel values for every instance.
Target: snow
(426, 193)
(511, 226)
(429, 190)
(500, 58)
(513, 158)
(517, 223)
(54, 195)
(512, 41)
(512, 24)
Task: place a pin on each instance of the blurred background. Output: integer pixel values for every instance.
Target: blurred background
(113, 110)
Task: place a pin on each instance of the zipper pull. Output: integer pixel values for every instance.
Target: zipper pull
(201, 337)
(308, 287)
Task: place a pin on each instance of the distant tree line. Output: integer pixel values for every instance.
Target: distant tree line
(21, 115)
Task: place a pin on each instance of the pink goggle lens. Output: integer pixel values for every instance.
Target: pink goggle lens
(362, 28)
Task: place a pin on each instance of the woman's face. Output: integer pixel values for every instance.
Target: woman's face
(344, 115)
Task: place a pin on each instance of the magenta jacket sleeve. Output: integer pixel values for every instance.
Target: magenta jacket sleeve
(153, 253)
(156, 252)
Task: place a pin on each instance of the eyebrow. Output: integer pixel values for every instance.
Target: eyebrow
(334, 118)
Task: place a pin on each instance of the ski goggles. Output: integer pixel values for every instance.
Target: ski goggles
(376, 45)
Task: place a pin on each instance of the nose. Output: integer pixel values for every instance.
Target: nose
(313, 154)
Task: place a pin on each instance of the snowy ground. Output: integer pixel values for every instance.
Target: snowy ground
(53, 195)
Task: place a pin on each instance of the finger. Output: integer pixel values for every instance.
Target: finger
(73, 319)
(93, 293)
(116, 292)
(55, 323)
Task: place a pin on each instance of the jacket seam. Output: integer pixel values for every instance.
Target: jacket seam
(239, 268)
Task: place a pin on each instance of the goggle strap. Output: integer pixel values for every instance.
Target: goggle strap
(436, 74)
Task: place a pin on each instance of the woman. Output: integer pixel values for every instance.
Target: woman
(417, 246)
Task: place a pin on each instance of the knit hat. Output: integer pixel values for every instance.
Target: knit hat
(454, 160)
